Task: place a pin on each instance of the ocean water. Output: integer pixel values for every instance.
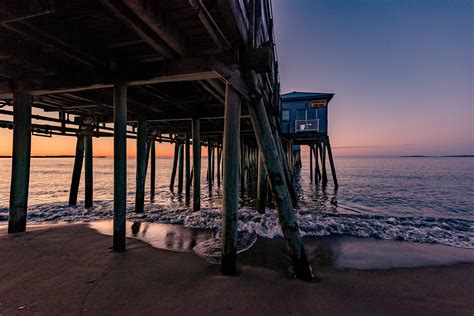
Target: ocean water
(423, 200)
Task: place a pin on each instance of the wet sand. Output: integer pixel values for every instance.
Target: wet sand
(70, 269)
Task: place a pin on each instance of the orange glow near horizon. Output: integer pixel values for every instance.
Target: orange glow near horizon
(66, 145)
(345, 143)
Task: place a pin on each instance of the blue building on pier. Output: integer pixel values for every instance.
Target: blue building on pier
(305, 112)
(304, 121)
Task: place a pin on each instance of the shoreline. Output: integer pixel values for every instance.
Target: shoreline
(336, 251)
(69, 268)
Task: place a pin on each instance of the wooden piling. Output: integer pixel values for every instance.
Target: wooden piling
(175, 163)
(213, 162)
(196, 164)
(242, 169)
(324, 174)
(141, 166)
(316, 165)
(180, 168)
(152, 170)
(20, 175)
(76, 171)
(291, 163)
(88, 172)
(298, 159)
(283, 161)
(231, 157)
(209, 165)
(120, 164)
(219, 157)
(281, 196)
(311, 162)
(261, 186)
(331, 162)
(188, 167)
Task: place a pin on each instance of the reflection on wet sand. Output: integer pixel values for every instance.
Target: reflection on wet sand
(323, 252)
(163, 236)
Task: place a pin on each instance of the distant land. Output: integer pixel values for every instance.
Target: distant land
(447, 156)
(60, 156)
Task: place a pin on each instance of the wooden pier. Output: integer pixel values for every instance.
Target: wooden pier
(190, 72)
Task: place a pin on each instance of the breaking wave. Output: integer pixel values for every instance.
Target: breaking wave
(452, 232)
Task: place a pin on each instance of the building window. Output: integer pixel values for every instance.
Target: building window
(318, 103)
(285, 115)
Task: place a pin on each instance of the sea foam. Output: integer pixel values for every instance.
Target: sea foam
(452, 232)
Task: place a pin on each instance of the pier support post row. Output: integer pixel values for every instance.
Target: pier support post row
(311, 162)
(152, 169)
(141, 166)
(20, 176)
(231, 157)
(196, 164)
(76, 171)
(120, 165)
(88, 171)
(281, 196)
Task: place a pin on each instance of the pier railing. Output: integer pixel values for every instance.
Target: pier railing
(306, 125)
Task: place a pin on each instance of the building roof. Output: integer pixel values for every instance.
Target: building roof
(295, 95)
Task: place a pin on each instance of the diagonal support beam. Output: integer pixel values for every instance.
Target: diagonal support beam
(159, 24)
(132, 21)
(16, 10)
(209, 23)
(231, 77)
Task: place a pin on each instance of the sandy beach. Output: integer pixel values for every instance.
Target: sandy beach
(59, 269)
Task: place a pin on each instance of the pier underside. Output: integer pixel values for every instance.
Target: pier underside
(200, 72)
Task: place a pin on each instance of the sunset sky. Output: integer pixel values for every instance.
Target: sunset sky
(401, 71)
